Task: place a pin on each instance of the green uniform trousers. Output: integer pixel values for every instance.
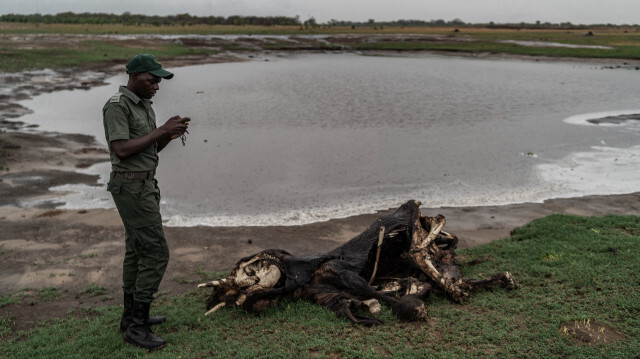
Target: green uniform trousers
(146, 251)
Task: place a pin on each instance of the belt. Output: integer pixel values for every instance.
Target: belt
(134, 174)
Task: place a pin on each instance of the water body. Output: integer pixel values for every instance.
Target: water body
(309, 138)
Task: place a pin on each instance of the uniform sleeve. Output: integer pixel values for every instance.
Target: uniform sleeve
(116, 122)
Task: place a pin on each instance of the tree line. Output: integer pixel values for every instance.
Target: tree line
(186, 19)
(136, 19)
(127, 18)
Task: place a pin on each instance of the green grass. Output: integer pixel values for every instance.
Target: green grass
(94, 290)
(567, 267)
(24, 28)
(32, 296)
(50, 293)
(8, 299)
(89, 52)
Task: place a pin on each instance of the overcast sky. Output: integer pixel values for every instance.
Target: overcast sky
(473, 11)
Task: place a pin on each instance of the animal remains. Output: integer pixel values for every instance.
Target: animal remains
(399, 260)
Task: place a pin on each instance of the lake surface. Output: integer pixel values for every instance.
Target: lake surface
(309, 138)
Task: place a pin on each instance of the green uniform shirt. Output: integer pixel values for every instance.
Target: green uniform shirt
(127, 116)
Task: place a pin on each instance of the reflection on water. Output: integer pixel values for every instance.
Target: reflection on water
(323, 136)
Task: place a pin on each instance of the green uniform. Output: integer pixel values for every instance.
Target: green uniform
(127, 116)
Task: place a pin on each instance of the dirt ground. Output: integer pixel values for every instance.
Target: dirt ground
(79, 253)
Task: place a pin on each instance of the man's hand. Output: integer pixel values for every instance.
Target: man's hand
(162, 135)
(176, 126)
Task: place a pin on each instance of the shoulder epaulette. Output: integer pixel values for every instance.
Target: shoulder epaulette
(116, 97)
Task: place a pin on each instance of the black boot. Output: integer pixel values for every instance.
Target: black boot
(138, 332)
(128, 312)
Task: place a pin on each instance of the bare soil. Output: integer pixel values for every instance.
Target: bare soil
(79, 253)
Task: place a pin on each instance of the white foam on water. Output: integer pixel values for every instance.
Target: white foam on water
(603, 170)
(430, 197)
(278, 218)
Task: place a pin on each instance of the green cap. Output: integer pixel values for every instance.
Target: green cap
(147, 63)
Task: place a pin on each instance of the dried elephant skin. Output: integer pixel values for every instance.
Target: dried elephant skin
(399, 260)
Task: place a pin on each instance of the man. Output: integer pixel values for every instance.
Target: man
(134, 143)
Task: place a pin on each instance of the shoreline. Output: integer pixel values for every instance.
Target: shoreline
(44, 247)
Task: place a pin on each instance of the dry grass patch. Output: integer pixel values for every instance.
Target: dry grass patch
(590, 332)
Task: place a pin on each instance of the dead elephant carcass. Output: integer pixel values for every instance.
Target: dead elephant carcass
(399, 260)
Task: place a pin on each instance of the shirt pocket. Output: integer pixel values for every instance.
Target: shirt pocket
(138, 124)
